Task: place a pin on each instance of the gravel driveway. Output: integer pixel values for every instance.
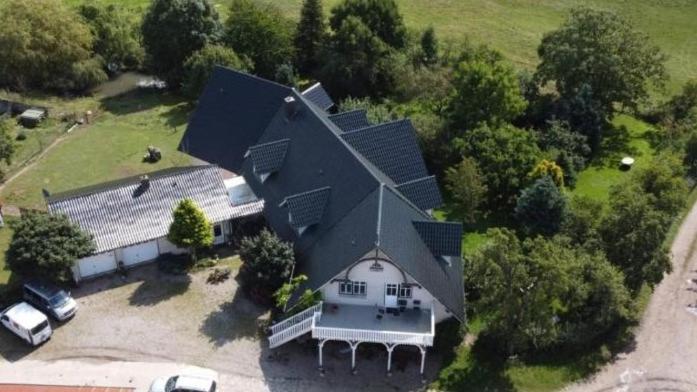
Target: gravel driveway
(665, 355)
(152, 317)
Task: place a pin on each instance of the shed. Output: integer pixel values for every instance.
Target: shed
(32, 117)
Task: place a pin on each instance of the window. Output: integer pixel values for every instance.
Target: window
(352, 288)
(391, 290)
(217, 230)
(404, 291)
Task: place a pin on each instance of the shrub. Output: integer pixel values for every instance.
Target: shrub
(267, 263)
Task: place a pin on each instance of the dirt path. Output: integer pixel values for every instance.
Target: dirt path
(33, 161)
(665, 355)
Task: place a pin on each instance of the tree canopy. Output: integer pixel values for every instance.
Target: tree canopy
(199, 67)
(116, 35)
(357, 63)
(45, 45)
(602, 50)
(382, 17)
(466, 186)
(541, 208)
(484, 92)
(7, 143)
(261, 33)
(310, 36)
(47, 246)
(505, 155)
(541, 293)
(267, 263)
(190, 228)
(173, 30)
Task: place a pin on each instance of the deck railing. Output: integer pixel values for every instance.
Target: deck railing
(302, 316)
(372, 336)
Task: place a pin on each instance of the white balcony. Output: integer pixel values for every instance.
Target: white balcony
(369, 324)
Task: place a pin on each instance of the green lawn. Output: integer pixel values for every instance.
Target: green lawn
(628, 137)
(110, 148)
(5, 236)
(515, 27)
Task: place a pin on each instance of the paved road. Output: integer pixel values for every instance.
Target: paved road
(665, 355)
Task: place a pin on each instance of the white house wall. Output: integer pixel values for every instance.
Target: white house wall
(168, 247)
(375, 287)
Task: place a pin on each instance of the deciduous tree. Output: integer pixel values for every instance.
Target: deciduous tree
(267, 263)
(116, 35)
(382, 17)
(199, 67)
(603, 50)
(173, 30)
(47, 246)
(467, 188)
(484, 92)
(45, 45)
(261, 33)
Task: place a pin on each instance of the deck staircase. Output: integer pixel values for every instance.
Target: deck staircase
(294, 326)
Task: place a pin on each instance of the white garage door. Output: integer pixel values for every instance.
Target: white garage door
(97, 264)
(139, 253)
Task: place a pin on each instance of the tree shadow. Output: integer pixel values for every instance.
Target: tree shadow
(139, 100)
(479, 368)
(235, 319)
(153, 291)
(615, 145)
(177, 115)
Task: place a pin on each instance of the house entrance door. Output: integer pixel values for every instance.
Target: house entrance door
(390, 295)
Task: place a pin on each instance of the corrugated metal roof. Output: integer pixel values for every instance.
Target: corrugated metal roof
(351, 120)
(318, 96)
(423, 192)
(128, 212)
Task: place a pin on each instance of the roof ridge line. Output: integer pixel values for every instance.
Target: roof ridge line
(314, 86)
(100, 187)
(270, 143)
(381, 124)
(285, 199)
(379, 226)
(250, 76)
(415, 180)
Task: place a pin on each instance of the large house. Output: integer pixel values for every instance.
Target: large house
(353, 197)
(129, 219)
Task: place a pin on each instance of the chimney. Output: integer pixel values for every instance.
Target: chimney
(291, 107)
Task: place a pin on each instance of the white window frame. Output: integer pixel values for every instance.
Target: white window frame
(405, 291)
(353, 288)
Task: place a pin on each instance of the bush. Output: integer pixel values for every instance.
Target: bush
(22, 135)
(199, 67)
(541, 208)
(267, 263)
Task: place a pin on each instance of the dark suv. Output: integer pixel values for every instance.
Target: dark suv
(50, 299)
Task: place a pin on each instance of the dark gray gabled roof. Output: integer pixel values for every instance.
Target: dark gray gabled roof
(268, 157)
(351, 120)
(363, 211)
(306, 209)
(127, 212)
(442, 238)
(231, 116)
(319, 96)
(423, 192)
(392, 147)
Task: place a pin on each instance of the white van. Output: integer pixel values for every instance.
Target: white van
(27, 323)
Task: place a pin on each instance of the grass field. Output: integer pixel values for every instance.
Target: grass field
(515, 27)
(110, 148)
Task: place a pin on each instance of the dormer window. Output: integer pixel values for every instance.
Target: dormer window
(306, 209)
(267, 158)
(443, 239)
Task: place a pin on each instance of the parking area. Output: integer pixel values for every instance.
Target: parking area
(153, 317)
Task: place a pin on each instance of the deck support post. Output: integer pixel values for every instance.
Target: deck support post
(354, 345)
(423, 358)
(390, 347)
(320, 346)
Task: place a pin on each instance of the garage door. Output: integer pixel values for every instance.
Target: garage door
(97, 264)
(139, 253)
